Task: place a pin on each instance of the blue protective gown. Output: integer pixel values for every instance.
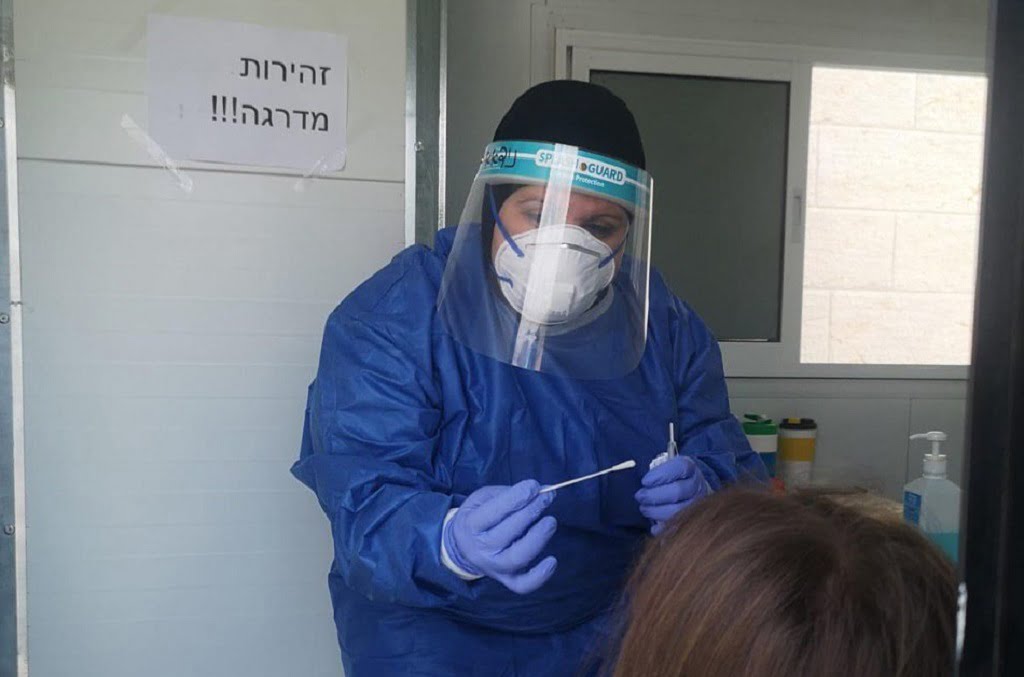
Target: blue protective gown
(403, 422)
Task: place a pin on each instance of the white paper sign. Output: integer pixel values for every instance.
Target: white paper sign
(244, 94)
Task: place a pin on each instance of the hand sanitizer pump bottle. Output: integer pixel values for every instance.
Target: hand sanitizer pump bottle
(932, 502)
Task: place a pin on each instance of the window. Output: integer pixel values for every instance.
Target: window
(893, 197)
(822, 219)
(717, 139)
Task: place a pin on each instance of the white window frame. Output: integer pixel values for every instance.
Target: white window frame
(578, 53)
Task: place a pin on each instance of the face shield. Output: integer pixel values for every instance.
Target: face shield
(550, 264)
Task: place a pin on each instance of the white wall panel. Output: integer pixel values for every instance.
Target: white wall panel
(864, 424)
(66, 56)
(170, 336)
(861, 442)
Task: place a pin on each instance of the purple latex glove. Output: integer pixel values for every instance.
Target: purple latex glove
(499, 532)
(669, 488)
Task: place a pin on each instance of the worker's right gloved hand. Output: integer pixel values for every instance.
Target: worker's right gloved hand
(499, 532)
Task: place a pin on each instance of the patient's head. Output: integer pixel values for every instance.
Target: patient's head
(748, 584)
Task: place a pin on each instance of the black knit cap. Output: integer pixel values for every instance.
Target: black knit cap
(576, 114)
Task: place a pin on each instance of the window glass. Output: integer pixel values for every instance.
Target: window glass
(717, 149)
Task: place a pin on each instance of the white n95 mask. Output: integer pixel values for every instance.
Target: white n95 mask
(552, 275)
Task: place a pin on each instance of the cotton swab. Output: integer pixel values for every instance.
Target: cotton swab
(615, 468)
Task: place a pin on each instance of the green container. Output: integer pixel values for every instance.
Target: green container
(763, 435)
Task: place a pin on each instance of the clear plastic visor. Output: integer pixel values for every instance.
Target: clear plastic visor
(550, 264)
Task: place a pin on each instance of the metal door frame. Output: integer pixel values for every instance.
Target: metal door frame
(426, 79)
(13, 626)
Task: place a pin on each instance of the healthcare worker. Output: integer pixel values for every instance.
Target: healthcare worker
(533, 344)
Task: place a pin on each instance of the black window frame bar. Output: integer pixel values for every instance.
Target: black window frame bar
(992, 526)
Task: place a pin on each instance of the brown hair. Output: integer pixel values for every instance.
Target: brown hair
(748, 584)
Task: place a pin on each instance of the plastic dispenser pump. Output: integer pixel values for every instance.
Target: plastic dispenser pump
(932, 502)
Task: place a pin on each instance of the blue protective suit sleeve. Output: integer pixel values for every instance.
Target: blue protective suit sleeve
(707, 430)
(370, 448)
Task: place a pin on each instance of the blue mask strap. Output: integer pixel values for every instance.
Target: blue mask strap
(608, 259)
(500, 225)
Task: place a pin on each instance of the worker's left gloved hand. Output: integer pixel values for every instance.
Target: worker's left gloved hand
(670, 487)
